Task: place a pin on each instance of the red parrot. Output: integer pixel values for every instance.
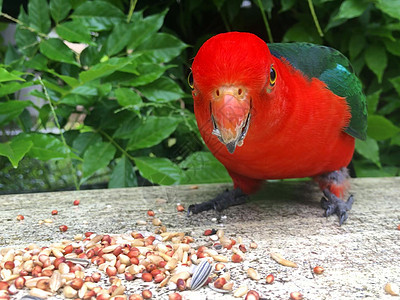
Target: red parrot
(277, 111)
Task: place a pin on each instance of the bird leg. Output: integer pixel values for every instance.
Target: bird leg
(334, 205)
(334, 185)
(222, 201)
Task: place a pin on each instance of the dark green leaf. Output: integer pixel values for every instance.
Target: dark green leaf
(39, 17)
(219, 3)
(152, 132)
(126, 128)
(395, 140)
(96, 157)
(38, 62)
(74, 31)
(159, 170)
(390, 7)
(369, 149)
(74, 100)
(380, 128)
(11, 109)
(56, 50)
(148, 72)
(162, 47)
(143, 28)
(396, 83)
(15, 150)
(59, 9)
(26, 40)
(98, 15)
(84, 140)
(286, 5)
(7, 76)
(376, 59)
(203, 167)
(301, 32)
(126, 97)
(119, 38)
(393, 46)
(106, 68)
(372, 101)
(123, 174)
(162, 90)
(356, 45)
(351, 9)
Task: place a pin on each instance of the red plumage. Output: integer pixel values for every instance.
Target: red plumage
(295, 126)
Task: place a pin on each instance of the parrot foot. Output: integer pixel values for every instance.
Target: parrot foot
(334, 205)
(221, 202)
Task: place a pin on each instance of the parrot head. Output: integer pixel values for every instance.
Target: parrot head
(230, 73)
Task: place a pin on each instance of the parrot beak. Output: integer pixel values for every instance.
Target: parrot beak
(230, 114)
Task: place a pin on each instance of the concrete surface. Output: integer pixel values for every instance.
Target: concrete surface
(359, 257)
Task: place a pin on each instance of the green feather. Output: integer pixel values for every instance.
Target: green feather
(334, 69)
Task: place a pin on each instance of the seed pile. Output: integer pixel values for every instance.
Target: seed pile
(98, 266)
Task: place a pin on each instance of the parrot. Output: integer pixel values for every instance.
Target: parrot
(277, 111)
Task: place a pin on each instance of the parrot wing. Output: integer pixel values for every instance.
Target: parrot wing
(335, 70)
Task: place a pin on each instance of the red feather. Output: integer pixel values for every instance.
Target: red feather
(296, 126)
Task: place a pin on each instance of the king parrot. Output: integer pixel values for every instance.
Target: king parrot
(283, 110)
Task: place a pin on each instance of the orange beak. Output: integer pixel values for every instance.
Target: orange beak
(230, 113)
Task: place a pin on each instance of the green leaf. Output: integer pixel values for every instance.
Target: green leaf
(159, 170)
(26, 40)
(38, 62)
(74, 100)
(59, 9)
(82, 142)
(396, 83)
(98, 15)
(119, 38)
(372, 101)
(106, 68)
(376, 59)
(203, 167)
(123, 174)
(7, 76)
(162, 90)
(393, 46)
(369, 149)
(380, 128)
(96, 157)
(45, 146)
(162, 47)
(390, 7)
(127, 97)
(12, 87)
(148, 72)
(56, 50)
(142, 29)
(395, 140)
(356, 45)
(301, 32)
(11, 109)
(351, 8)
(74, 31)
(152, 132)
(15, 150)
(39, 17)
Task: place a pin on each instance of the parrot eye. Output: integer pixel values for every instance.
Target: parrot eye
(272, 76)
(190, 80)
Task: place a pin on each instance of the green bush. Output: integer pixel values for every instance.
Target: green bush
(120, 85)
(123, 103)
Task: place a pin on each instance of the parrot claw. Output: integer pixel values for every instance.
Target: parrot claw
(221, 202)
(334, 205)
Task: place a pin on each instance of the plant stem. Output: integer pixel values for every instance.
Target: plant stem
(116, 144)
(61, 133)
(131, 9)
(310, 4)
(264, 16)
(24, 25)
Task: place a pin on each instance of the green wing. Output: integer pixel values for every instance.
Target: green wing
(333, 68)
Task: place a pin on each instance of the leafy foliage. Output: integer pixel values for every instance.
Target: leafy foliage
(122, 103)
